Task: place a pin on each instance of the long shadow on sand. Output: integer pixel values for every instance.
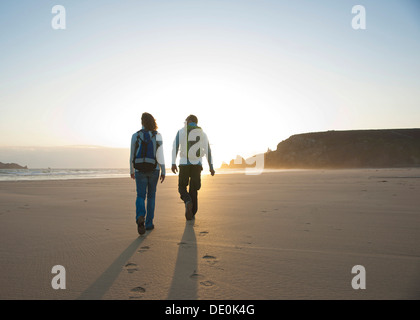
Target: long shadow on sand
(185, 278)
(97, 289)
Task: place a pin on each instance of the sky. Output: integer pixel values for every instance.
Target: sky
(254, 72)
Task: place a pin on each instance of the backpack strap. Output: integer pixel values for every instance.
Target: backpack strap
(136, 147)
(155, 144)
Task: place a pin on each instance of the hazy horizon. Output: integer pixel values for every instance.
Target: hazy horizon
(254, 73)
(92, 157)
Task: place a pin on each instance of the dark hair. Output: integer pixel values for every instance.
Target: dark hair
(148, 122)
(191, 118)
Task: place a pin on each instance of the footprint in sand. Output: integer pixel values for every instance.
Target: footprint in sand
(209, 257)
(130, 264)
(213, 263)
(196, 276)
(211, 260)
(131, 267)
(143, 249)
(138, 290)
(203, 233)
(207, 283)
(185, 245)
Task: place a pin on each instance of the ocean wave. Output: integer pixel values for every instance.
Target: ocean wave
(60, 174)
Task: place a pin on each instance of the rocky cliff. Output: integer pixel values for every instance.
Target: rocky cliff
(11, 166)
(347, 149)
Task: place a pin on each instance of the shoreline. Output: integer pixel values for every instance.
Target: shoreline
(205, 172)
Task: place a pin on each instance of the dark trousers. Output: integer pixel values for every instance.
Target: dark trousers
(190, 175)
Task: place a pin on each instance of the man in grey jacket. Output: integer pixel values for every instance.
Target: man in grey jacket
(193, 145)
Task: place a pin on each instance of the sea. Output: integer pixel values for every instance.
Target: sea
(60, 174)
(68, 174)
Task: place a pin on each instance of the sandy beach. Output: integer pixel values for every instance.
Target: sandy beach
(278, 235)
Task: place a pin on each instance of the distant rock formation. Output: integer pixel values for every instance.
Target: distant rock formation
(11, 166)
(237, 163)
(347, 149)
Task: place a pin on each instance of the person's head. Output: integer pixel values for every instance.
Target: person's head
(191, 118)
(148, 122)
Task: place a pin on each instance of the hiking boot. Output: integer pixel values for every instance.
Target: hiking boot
(188, 210)
(140, 226)
(150, 228)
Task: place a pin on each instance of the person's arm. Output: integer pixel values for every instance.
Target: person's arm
(210, 160)
(160, 157)
(132, 149)
(175, 148)
(208, 154)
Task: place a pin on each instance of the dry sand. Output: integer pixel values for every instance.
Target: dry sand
(283, 235)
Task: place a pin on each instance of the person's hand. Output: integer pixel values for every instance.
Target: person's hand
(174, 169)
(162, 178)
(133, 176)
(212, 172)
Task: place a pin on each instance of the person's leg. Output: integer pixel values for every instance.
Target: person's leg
(194, 198)
(141, 185)
(195, 185)
(151, 197)
(183, 181)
